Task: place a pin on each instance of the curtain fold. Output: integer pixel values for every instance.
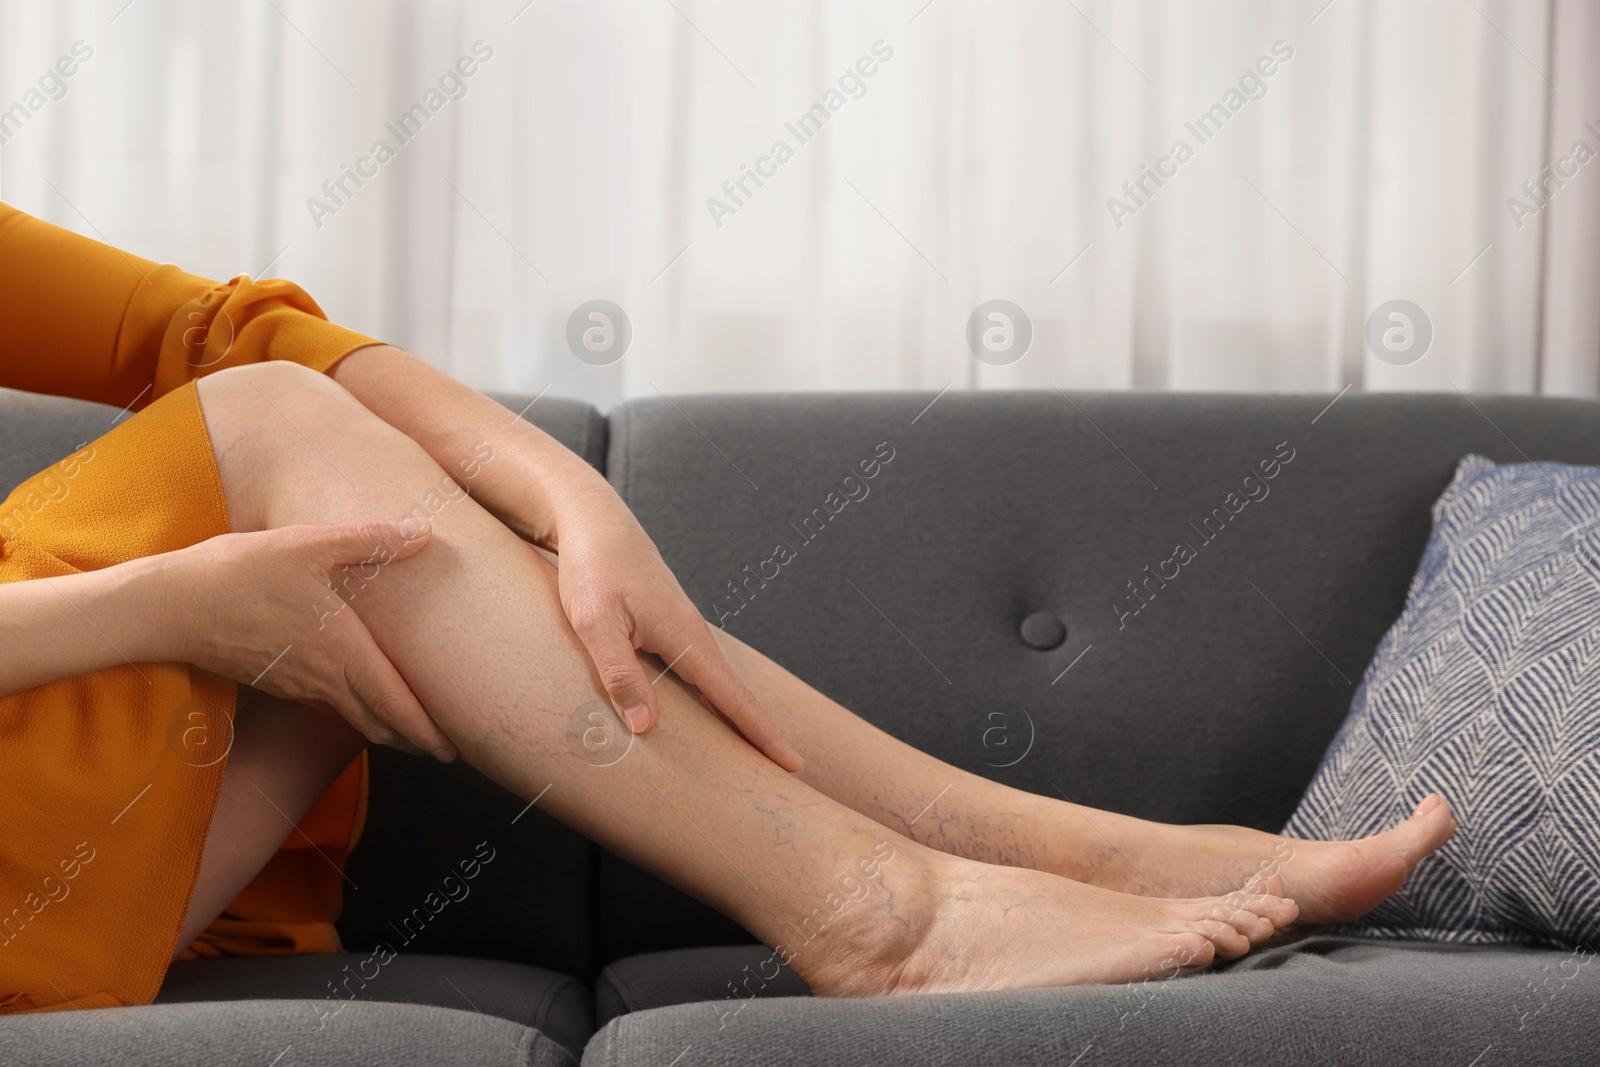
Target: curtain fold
(935, 156)
(1570, 321)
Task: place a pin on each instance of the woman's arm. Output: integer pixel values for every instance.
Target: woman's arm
(86, 320)
(54, 628)
(259, 608)
(532, 477)
(553, 498)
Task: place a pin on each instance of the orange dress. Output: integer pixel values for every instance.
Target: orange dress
(108, 782)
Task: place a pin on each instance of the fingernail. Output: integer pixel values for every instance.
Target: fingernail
(444, 755)
(412, 528)
(638, 718)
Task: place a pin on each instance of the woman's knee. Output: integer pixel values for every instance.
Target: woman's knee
(267, 393)
(294, 446)
(277, 429)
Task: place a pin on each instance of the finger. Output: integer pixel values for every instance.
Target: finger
(347, 707)
(705, 667)
(375, 542)
(609, 645)
(353, 710)
(373, 681)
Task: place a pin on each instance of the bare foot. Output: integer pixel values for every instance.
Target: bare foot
(1333, 881)
(955, 925)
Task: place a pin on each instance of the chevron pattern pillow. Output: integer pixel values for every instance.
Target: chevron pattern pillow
(1487, 691)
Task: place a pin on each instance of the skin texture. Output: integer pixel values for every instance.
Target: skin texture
(814, 864)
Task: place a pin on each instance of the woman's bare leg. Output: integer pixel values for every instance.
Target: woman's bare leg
(866, 769)
(475, 625)
(283, 757)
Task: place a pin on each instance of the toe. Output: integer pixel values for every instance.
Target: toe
(1426, 830)
(1255, 928)
(1278, 911)
(1187, 952)
(1230, 943)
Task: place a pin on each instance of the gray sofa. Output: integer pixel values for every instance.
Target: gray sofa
(1207, 698)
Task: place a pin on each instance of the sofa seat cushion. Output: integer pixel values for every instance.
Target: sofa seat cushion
(328, 987)
(725, 978)
(273, 1033)
(1324, 1000)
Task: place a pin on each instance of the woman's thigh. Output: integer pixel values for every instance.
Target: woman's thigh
(284, 756)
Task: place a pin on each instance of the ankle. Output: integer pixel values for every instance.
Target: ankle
(874, 944)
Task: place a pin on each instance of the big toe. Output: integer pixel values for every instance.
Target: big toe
(1278, 910)
(1382, 863)
(1429, 827)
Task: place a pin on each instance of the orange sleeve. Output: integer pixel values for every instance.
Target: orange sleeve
(83, 319)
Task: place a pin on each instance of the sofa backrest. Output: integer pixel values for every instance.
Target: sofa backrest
(1224, 566)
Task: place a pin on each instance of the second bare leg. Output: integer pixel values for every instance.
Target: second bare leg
(860, 766)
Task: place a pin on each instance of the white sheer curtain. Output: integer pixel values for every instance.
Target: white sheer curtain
(975, 162)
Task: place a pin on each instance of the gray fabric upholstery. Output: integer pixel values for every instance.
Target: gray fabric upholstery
(36, 431)
(273, 1033)
(726, 976)
(534, 903)
(907, 607)
(554, 1004)
(1326, 1001)
(572, 422)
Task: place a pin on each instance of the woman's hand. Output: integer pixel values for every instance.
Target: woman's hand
(619, 595)
(617, 592)
(262, 609)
